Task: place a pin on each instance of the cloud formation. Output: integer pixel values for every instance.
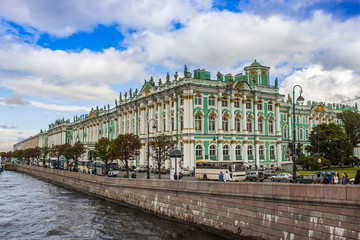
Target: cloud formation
(14, 99)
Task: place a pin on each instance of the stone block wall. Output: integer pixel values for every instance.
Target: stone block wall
(257, 210)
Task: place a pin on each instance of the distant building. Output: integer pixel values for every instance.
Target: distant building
(239, 117)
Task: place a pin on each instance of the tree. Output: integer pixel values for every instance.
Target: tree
(351, 123)
(45, 152)
(311, 162)
(58, 151)
(76, 151)
(102, 150)
(36, 153)
(125, 147)
(161, 146)
(329, 141)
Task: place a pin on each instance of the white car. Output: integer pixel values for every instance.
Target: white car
(185, 172)
(281, 177)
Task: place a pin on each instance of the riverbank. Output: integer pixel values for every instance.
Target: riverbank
(257, 210)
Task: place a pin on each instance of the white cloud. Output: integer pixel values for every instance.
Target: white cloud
(11, 136)
(63, 18)
(61, 107)
(331, 86)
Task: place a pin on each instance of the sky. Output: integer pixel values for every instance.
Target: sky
(59, 59)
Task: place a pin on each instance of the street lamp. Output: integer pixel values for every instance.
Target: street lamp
(300, 100)
(175, 153)
(148, 150)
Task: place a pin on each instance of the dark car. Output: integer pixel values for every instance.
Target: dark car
(269, 173)
(254, 176)
(307, 178)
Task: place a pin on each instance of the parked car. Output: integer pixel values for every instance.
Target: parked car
(329, 174)
(269, 173)
(140, 169)
(162, 171)
(281, 177)
(254, 176)
(185, 172)
(307, 178)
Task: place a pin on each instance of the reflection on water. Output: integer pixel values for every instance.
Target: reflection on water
(34, 209)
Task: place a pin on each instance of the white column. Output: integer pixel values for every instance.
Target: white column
(232, 149)
(278, 118)
(232, 118)
(219, 107)
(279, 152)
(257, 160)
(243, 101)
(220, 152)
(244, 150)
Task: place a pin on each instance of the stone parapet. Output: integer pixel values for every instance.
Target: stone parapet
(257, 210)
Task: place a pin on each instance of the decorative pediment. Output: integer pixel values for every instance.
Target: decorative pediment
(92, 114)
(321, 108)
(242, 86)
(147, 87)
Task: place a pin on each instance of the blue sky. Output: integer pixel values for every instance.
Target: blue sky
(61, 58)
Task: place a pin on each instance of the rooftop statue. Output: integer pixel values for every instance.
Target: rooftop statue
(120, 97)
(136, 91)
(219, 75)
(125, 95)
(276, 83)
(185, 71)
(130, 93)
(176, 76)
(160, 81)
(167, 78)
(115, 102)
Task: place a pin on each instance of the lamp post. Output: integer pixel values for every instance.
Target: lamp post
(300, 100)
(148, 148)
(175, 153)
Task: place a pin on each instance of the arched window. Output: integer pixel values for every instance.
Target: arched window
(225, 124)
(248, 104)
(271, 126)
(301, 133)
(270, 106)
(172, 124)
(238, 124)
(272, 151)
(198, 99)
(261, 150)
(181, 146)
(238, 150)
(224, 102)
(181, 123)
(250, 150)
(261, 125)
(212, 124)
(212, 101)
(212, 151)
(285, 132)
(237, 103)
(164, 125)
(198, 122)
(198, 151)
(249, 125)
(306, 134)
(226, 151)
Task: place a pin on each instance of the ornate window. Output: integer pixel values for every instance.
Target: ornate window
(198, 151)
(198, 99)
(249, 125)
(261, 151)
(212, 151)
(198, 120)
(237, 103)
(181, 123)
(250, 150)
(238, 124)
(225, 124)
(238, 150)
(225, 102)
(260, 106)
(272, 151)
(271, 126)
(306, 134)
(226, 150)
(301, 134)
(270, 106)
(248, 104)
(285, 132)
(261, 125)
(164, 125)
(212, 123)
(212, 101)
(172, 124)
(181, 100)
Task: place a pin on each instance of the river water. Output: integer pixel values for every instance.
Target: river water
(34, 209)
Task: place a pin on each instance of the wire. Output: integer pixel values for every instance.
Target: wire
(350, 100)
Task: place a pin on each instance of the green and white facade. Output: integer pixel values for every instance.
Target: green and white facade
(239, 117)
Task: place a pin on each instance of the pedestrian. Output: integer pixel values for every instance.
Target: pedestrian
(180, 175)
(221, 177)
(175, 176)
(335, 179)
(111, 174)
(326, 180)
(317, 180)
(357, 178)
(133, 175)
(345, 178)
(227, 177)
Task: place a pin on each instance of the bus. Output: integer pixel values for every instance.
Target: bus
(210, 170)
(99, 168)
(85, 166)
(114, 167)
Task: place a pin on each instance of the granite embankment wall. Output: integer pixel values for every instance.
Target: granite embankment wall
(258, 210)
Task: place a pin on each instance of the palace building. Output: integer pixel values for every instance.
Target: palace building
(240, 117)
